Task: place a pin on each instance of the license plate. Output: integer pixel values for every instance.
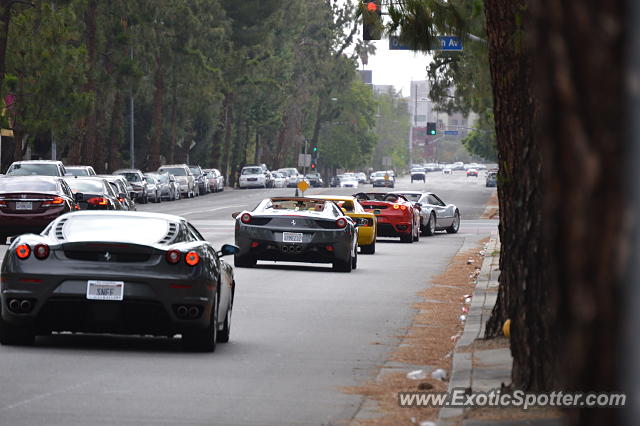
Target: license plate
(291, 237)
(105, 290)
(24, 205)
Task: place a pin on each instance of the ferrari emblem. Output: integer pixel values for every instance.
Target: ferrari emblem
(107, 256)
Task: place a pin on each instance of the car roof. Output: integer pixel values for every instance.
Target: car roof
(78, 167)
(128, 171)
(32, 178)
(173, 165)
(138, 214)
(38, 161)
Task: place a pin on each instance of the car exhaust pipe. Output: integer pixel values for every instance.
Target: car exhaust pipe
(285, 249)
(298, 249)
(194, 312)
(182, 311)
(14, 305)
(25, 305)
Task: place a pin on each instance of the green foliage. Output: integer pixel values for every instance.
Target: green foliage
(392, 128)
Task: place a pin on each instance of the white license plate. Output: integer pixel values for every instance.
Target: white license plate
(291, 237)
(24, 205)
(105, 290)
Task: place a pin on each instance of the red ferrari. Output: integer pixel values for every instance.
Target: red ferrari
(396, 216)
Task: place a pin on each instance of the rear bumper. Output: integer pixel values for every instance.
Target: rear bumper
(393, 229)
(16, 224)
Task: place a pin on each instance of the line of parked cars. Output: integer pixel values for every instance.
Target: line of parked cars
(288, 177)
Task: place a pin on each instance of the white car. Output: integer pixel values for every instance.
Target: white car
(292, 175)
(183, 175)
(446, 171)
(252, 177)
(279, 180)
(348, 181)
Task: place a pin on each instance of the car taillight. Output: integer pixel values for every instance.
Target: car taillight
(396, 206)
(98, 201)
(192, 258)
(54, 202)
(3, 203)
(41, 251)
(23, 251)
(403, 207)
(341, 222)
(173, 256)
(121, 199)
(245, 218)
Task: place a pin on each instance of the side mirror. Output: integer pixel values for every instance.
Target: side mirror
(228, 249)
(235, 214)
(79, 196)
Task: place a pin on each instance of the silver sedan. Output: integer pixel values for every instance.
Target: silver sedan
(435, 214)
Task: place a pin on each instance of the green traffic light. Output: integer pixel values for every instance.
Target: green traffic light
(315, 149)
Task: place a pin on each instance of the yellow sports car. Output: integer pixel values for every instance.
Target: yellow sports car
(353, 209)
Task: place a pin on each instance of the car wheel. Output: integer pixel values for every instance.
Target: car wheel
(416, 235)
(354, 259)
(369, 249)
(203, 339)
(456, 223)
(407, 238)
(343, 265)
(430, 229)
(15, 335)
(244, 261)
(223, 335)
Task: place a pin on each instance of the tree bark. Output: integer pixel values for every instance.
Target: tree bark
(88, 148)
(523, 296)
(153, 161)
(581, 69)
(116, 132)
(228, 128)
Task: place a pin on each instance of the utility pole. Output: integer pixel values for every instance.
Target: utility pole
(304, 169)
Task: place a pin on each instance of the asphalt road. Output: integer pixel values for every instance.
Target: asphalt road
(299, 334)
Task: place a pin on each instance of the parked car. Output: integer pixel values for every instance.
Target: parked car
(36, 168)
(94, 193)
(125, 192)
(154, 188)
(153, 273)
(136, 178)
(201, 180)
(183, 175)
(80, 170)
(252, 177)
(279, 180)
(362, 178)
(314, 179)
(216, 180)
(169, 186)
(30, 203)
(492, 178)
(292, 175)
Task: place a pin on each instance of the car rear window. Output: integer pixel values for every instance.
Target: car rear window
(11, 185)
(77, 172)
(298, 205)
(176, 171)
(132, 177)
(111, 228)
(30, 169)
(88, 186)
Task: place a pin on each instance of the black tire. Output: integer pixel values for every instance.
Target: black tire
(203, 339)
(416, 236)
(343, 265)
(244, 261)
(15, 335)
(453, 229)
(407, 238)
(430, 227)
(370, 249)
(144, 199)
(225, 333)
(354, 260)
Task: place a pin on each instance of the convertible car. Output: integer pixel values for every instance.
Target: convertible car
(120, 273)
(435, 215)
(396, 216)
(296, 229)
(366, 220)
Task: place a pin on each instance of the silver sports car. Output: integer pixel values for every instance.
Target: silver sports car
(435, 215)
(293, 229)
(120, 273)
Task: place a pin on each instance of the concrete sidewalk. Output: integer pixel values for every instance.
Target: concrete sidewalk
(478, 370)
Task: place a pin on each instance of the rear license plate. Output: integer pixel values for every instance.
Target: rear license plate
(252, 179)
(24, 205)
(291, 237)
(105, 290)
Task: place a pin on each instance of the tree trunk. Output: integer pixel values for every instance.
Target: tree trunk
(156, 120)
(217, 139)
(89, 156)
(173, 124)
(581, 72)
(228, 127)
(522, 296)
(116, 132)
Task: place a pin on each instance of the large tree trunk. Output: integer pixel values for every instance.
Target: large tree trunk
(217, 139)
(88, 148)
(116, 133)
(522, 293)
(228, 128)
(581, 70)
(156, 120)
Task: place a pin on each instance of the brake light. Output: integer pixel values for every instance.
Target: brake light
(54, 202)
(403, 207)
(121, 199)
(341, 222)
(23, 251)
(245, 218)
(41, 251)
(98, 201)
(173, 256)
(192, 258)
(396, 206)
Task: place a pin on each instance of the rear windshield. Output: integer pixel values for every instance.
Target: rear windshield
(127, 229)
(252, 171)
(131, 177)
(88, 186)
(176, 171)
(11, 185)
(28, 169)
(78, 172)
(298, 205)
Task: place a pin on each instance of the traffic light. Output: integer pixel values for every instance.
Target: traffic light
(431, 129)
(371, 20)
(314, 158)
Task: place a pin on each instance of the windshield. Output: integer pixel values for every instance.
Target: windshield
(86, 186)
(195, 170)
(252, 171)
(176, 171)
(138, 230)
(22, 185)
(132, 177)
(32, 169)
(77, 171)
